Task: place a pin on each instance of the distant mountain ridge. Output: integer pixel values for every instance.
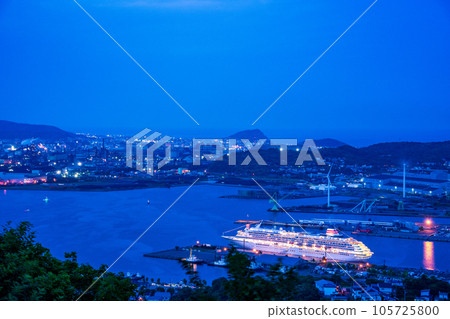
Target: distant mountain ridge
(392, 153)
(254, 135)
(329, 143)
(251, 135)
(11, 131)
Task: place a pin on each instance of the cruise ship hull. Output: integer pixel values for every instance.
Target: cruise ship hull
(283, 249)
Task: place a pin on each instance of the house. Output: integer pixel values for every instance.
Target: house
(357, 292)
(397, 282)
(329, 289)
(182, 171)
(443, 295)
(326, 287)
(319, 270)
(371, 294)
(385, 288)
(362, 274)
(424, 295)
(321, 187)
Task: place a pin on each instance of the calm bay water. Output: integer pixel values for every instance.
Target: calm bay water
(99, 226)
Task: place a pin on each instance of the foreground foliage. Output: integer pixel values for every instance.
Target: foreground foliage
(29, 272)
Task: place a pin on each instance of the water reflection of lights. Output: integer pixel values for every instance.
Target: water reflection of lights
(428, 255)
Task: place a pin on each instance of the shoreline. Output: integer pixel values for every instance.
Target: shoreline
(94, 187)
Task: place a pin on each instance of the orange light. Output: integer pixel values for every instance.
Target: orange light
(225, 249)
(198, 242)
(367, 264)
(360, 265)
(254, 250)
(428, 221)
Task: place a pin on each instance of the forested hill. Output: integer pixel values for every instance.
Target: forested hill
(11, 130)
(391, 153)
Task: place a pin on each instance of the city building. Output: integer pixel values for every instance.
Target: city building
(434, 183)
(7, 178)
(326, 287)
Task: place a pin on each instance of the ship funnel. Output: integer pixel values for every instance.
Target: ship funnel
(332, 232)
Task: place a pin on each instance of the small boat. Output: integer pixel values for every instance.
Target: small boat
(256, 267)
(221, 262)
(193, 259)
(359, 231)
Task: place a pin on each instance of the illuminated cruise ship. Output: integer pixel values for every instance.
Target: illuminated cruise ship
(331, 245)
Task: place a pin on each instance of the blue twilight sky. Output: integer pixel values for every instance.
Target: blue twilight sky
(226, 61)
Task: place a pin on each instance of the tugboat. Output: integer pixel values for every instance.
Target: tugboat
(221, 262)
(193, 259)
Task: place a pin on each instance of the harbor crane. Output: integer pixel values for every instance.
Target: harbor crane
(276, 206)
(274, 200)
(364, 206)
